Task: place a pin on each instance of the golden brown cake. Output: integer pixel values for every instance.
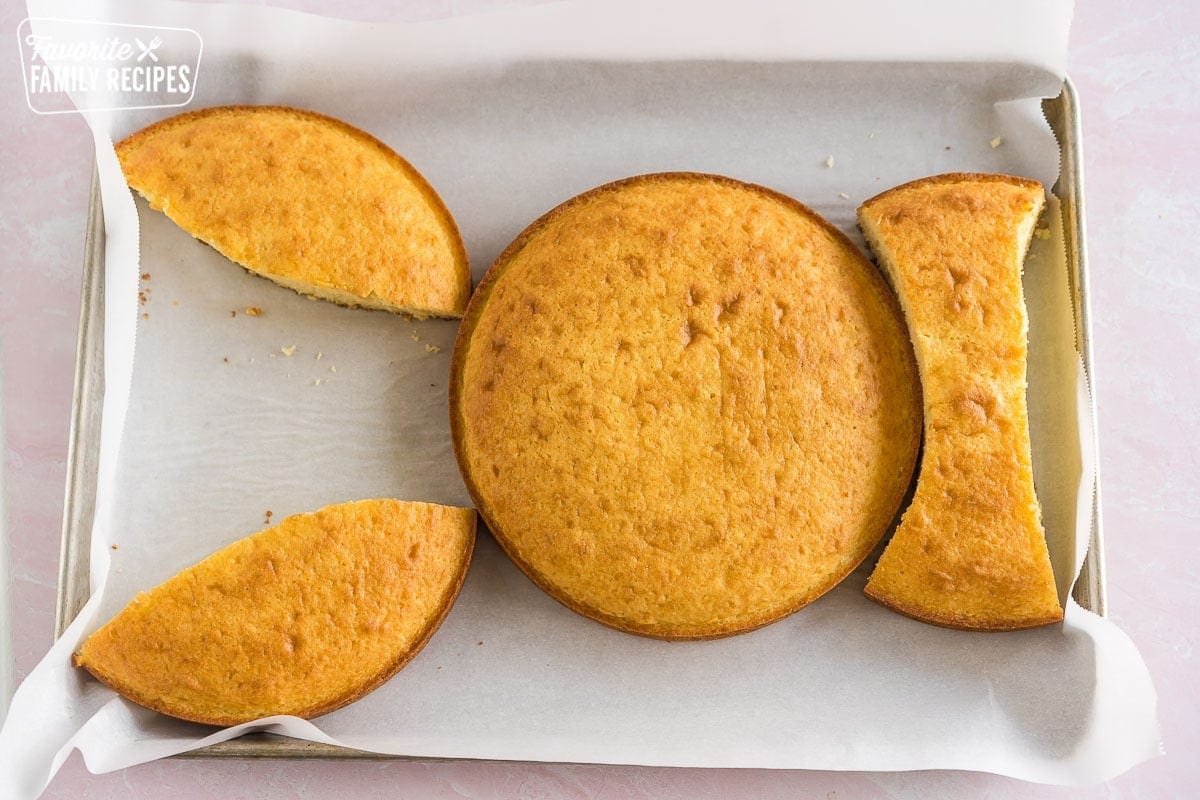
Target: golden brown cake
(305, 200)
(686, 406)
(301, 618)
(970, 551)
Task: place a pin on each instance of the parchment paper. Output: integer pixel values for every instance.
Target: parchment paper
(508, 114)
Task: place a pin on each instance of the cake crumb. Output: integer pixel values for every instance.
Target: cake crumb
(142, 298)
(332, 369)
(478, 643)
(289, 350)
(253, 311)
(319, 355)
(415, 337)
(948, 147)
(267, 517)
(145, 316)
(225, 359)
(114, 547)
(270, 355)
(1042, 233)
(829, 162)
(996, 142)
(316, 382)
(432, 348)
(843, 195)
(145, 276)
(233, 313)
(175, 303)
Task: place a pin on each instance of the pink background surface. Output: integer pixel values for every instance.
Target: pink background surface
(1137, 68)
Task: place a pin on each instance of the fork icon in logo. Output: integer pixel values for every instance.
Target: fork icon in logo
(148, 49)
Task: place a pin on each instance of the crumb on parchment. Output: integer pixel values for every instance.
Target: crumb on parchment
(253, 311)
(432, 348)
(996, 142)
(145, 276)
(233, 313)
(829, 162)
(267, 517)
(114, 547)
(225, 359)
(843, 195)
(289, 350)
(332, 368)
(319, 355)
(1042, 232)
(415, 337)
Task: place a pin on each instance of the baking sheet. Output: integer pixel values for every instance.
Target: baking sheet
(505, 133)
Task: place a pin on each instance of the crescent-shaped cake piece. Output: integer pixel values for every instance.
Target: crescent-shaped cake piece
(308, 201)
(970, 551)
(686, 406)
(301, 618)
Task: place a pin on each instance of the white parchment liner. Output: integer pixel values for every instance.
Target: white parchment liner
(211, 424)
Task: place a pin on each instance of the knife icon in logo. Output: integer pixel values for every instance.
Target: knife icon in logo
(148, 49)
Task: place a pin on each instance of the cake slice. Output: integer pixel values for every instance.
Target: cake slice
(970, 551)
(308, 201)
(301, 618)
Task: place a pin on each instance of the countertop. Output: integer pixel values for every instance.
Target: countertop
(1137, 68)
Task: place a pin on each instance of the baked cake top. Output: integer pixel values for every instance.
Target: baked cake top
(686, 406)
(301, 618)
(307, 201)
(970, 551)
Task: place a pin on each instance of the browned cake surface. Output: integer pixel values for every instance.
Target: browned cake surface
(686, 406)
(970, 551)
(307, 201)
(301, 618)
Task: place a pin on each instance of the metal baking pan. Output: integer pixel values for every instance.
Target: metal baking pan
(1061, 112)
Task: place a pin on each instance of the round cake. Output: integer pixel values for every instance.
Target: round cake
(686, 406)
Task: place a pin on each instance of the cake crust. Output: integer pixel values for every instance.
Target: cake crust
(301, 618)
(307, 201)
(970, 551)
(631, 396)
